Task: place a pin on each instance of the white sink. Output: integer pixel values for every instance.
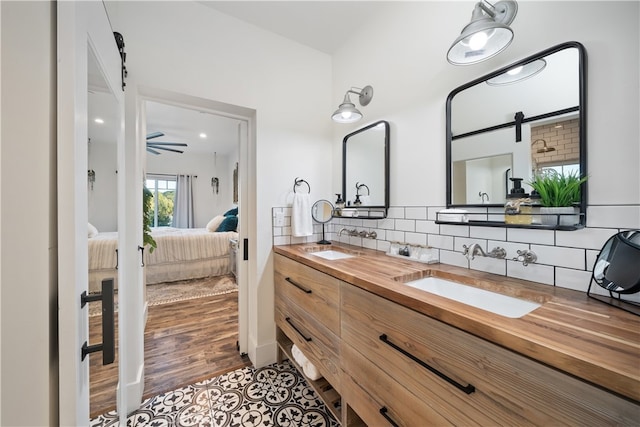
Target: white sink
(332, 255)
(479, 298)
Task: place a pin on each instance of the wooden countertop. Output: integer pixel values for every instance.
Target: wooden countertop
(570, 331)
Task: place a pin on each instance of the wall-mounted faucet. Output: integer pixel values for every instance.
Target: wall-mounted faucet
(362, 233)
(475, 249)
(526, 257)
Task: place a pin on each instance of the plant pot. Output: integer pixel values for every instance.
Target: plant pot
(557, 216)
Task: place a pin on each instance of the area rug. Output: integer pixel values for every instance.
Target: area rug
(166, 293)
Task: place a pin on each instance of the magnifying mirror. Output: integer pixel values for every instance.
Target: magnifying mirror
(322, 211)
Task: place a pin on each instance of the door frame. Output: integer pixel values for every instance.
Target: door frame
(80, 26)
(246, 172)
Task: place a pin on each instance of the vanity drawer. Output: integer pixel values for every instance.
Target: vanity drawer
(315, 292)
(367, 389)
(509, 389)
(316, 342)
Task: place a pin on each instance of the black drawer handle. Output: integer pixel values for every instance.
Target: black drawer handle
(297, 285)
(467, 389)
(288, 319)
(383, 412)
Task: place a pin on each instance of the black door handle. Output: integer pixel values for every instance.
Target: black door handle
(108, 345)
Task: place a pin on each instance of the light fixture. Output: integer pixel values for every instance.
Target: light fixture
(519, 73)
(486, 35)
(99, 121)
(347, 111)
(91, 177)
(544, 148)
(203, 135)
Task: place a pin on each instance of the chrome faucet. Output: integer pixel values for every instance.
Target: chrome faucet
(349, 232)
(475, 249)
(472, 250)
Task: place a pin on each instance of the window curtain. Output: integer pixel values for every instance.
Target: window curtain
(183, 204)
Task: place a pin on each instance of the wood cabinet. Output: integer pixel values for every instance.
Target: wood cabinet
(307, 314)
(422, 370)
(386, 364)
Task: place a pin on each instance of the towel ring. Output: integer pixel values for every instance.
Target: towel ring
(297, 182)
(359, 186)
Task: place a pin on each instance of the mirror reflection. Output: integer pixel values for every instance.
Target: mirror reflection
(365, 170)
(322, 212)
(510, 125)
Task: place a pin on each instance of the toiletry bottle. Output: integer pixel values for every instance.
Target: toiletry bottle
(535, 207)
(517, 208)
(339, 204)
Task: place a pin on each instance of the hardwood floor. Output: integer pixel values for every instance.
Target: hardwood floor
(184, 342)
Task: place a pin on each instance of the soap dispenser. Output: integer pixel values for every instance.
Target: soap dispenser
(339, 204)
(517, 208)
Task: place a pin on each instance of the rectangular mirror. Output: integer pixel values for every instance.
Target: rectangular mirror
(365, 171)
(520, 120)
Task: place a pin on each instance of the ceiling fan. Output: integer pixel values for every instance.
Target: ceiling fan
(152, 146)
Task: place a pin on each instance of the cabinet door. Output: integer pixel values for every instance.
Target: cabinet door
(429, 358)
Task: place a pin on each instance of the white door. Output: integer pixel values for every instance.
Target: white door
(88, 59)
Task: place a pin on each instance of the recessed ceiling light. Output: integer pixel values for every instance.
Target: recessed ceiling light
(203, 135)
(98, 120)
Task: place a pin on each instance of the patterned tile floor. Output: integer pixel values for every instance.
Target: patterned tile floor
(276, 395)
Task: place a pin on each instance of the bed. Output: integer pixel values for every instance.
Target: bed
(182, 253)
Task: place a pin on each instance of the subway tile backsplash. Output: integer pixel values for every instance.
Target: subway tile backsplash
(565, 258)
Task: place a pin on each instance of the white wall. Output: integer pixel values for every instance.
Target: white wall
(28, 377)
(210, 55)
(402, 55)
(103, 199)
(206, 203)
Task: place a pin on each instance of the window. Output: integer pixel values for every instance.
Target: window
(163, 189)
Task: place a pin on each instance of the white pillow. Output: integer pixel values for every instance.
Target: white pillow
(93, 232)
(215, 223)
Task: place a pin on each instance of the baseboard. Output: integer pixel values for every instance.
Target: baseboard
(135, 390)
(262, 355)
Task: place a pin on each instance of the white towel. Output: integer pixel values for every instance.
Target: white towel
(308, 369)
(301, 223)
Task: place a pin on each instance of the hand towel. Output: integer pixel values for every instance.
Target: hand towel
(301, 223)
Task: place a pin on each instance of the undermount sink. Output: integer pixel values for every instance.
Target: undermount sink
(331, 254)
(485, 300)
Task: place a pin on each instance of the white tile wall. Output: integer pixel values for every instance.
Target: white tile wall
(565, 258)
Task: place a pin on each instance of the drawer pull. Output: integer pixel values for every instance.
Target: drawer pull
(288, 319)
(383, 412)
(467, 389)
(297, 285)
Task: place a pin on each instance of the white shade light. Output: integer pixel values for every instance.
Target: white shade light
(347, 111)
(518, 74)
(486, 35)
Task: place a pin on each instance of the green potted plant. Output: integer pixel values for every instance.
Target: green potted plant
(147, 219)
(559, 193)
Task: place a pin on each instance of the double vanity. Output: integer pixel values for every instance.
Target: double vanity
(404, 343)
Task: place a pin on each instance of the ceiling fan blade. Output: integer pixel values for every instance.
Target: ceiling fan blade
(154, 135)
(166, 149)
(175, 144)
(151, 150)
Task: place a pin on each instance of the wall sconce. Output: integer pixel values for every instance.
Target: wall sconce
(486, 35)
(518, 74)
(215, 184)
(347, 111)
(544, 148)
(91, 177)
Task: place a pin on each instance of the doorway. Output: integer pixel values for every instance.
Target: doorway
(218, 154)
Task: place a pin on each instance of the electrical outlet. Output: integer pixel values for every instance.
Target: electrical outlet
(279, 219)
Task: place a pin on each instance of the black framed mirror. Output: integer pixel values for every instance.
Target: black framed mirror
(365, 172)
(508, 125)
